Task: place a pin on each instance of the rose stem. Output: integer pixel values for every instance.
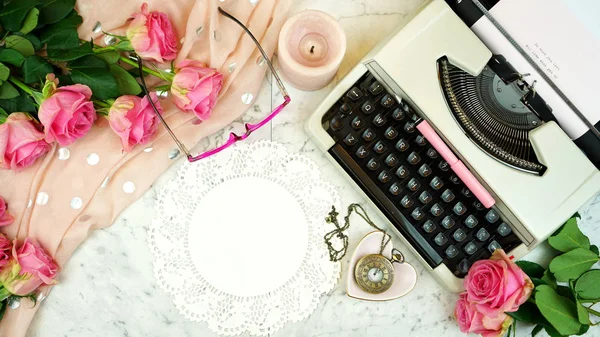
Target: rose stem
(592, 311)
(147, 70)
(21, 85)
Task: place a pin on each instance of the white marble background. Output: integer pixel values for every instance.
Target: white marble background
(108, 287)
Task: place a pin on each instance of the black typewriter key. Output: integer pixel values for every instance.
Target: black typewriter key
(357, 123)
(478, 205)
(350, 139)
(391, 133)
(447, 195)
(387, 101)
(417, 214)
(373, 164)
(405, 106)
(367, 107)
(447, 222)
(409, 127)
(482, 235)
(384, 176)
(407, 202)
(444, 166)
(440, 239)
(368, 135)
(466, 192)
(436, 183)
(402, 172)
(454, 179)
(493, 246)
(402, 145)
(451, 252)
(492, 216)
(413, 185)
(459, 208)
(345, 108)
(470, 248)
(395, 189)
(375, 88)
(398, 114)
(425, 197)
(354, 94)
(463, 266)
(391, 160)
(336, 123)
(379, 147)
(362, 152)
(459, 235)
(420, 140)
(424, 170)
(436, 209)
(504, 229)
(428, 226)
(471, 221)
(432, 153)
(379, 120)
(413, 158)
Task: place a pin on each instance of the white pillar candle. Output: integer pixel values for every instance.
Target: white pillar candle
(311, 47)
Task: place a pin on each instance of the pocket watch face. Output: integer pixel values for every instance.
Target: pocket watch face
(374, 273)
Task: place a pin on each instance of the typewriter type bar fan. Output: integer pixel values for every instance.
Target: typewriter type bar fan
(496, 109)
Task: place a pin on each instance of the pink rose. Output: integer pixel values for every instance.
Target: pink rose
(30, 268)
(67, 113)
(5, 250)
(152, 36)
(196, 88)
(5, 218)
(471, 320)
(497, 285)
(133, 119)
(21, 142)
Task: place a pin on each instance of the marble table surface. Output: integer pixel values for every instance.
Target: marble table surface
(108, 287)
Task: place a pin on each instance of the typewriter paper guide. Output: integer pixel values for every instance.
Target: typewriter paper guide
(537, 205)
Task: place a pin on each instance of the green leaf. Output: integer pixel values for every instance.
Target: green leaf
(8, 91)
(569, 237)
(4, 72)
(124, 46)
(35, 69)
(528, 313)
(110, 57)
(35, 41)
(588, 285)
(2, 309)
(552, 332)
(536, 330)
(532, 269)
(93, 72)
(538, 281)
(582, 314)
(22, 103)
(126, 83)
(565, 292)
(61, 39)
(558, 310)
(595, 249)
(584, 329)
(70, 54)
(11, 56)
(576, 215)
(31, 20)
(549, 279)
(55, 10)
(3, 113)
(20, 44)
(572, 264)
(13, 14)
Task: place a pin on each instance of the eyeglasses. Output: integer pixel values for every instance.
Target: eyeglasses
(233, 137)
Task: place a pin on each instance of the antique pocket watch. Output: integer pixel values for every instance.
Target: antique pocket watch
(374, 273)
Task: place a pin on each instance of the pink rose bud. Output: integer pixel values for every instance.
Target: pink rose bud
(67, 113)
(497, 285)
(21, 142)
(133, 119)
(30, 268)
(196, 88)
(5, 218)
(152, 36)
(5, 250)
(471, 320)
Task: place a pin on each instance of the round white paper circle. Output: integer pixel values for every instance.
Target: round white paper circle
(248, 236)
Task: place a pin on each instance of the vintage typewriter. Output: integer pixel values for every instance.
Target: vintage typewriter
(452, 145)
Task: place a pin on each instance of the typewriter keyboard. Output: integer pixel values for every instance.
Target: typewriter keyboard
(379, 145)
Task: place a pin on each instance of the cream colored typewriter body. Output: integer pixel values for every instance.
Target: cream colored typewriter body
(375, 142)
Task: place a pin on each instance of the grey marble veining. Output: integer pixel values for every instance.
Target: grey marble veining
(108, 287)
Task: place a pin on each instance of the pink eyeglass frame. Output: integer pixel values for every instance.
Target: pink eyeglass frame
(233, 138)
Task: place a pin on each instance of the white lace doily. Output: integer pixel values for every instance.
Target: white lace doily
(238, 239)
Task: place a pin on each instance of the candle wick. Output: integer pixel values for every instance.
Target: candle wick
(312, 49)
